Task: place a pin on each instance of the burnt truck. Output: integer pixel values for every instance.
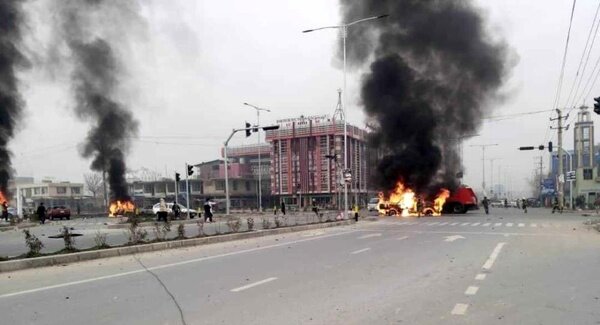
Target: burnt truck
(461, 200)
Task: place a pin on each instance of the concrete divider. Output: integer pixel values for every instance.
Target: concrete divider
(27, 263)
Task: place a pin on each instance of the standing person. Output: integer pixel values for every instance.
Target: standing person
(208, 211)
(41, 213)
(162, 210)
(555, 204)
(486, 205)
(419, 206)
(524, 204)
(597, 203)
(283, 207)
(274, 209)
(356, 209)
(176, 211)
(5, 210)
(199, 211)
(506, 203)
(315, 208)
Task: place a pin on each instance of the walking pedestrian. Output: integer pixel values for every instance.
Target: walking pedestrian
(597, 203)
(555, 205)
(208, 211)
(283, 207)
(5, 210)
(315, 208)
(486, 205)
(41, 213)
(162, 210)
(176, 211)
(524, 205)
(356, 209)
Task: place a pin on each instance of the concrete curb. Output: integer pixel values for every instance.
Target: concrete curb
(28, 263)
(19, 226)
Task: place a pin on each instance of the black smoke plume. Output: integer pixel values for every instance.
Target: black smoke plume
(95, 81)
(434, 73)
(11, 103)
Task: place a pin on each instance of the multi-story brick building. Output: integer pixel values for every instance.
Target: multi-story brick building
(307, 161)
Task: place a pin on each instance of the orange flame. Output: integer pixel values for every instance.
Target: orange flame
(3, 198)
(120, 208)
(406, 200)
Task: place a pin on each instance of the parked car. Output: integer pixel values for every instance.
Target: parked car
(372, 205)
(184, 210)
(149, 209)
(59, 212)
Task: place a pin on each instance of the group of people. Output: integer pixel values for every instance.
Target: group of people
(163, 211)
(521, 203)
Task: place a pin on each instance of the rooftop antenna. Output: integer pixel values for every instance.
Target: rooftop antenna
(338, 114)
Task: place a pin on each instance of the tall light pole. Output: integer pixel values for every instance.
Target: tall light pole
(483, 146)
(492, 171)
(258, 109)
(344, 30)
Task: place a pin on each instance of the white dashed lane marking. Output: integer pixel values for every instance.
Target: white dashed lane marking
(509, 224)
(534, 225)
(454, 224)
(370, 236)
(251, 285)
(459, 309)
(360, 251)
(402, 238)
(497, 224)
(490, 261)
(475, 224)
(480, 276)
(486, 224)
(471, 290)
(466, 223)
(521, 225)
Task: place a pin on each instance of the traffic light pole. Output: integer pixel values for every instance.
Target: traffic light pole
(225, 144)
(187, 190)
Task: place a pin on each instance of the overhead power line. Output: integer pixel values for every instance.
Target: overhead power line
(564, 60)
(580, 73)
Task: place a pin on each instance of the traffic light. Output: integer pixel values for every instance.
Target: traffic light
(248, 129)
(190, 170)
(597, 105)
(550, 146)
(526, 148)
(177, 177)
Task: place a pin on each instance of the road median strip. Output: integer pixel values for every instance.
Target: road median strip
(35, 262)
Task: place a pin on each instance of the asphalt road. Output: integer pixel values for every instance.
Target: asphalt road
(503, 268)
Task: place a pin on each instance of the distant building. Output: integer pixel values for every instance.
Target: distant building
(587, 183)
(307, 161)
(51, 193)
(242, 183)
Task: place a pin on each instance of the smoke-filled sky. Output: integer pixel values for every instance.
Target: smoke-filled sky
(198, 61)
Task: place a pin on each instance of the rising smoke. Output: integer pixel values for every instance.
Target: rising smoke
(11, 104)
(434, 73)
(95, 81)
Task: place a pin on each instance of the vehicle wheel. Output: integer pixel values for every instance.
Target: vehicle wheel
(458, 208)
(69, 218)
(393, 212)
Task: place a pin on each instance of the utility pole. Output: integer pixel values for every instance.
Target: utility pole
(561, 175)
(539, 165)
(483, 146)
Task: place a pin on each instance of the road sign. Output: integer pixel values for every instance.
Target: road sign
(571, 176)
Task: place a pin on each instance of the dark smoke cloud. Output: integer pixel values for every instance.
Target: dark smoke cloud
(434, 73)
(11, 103)
(95, 79)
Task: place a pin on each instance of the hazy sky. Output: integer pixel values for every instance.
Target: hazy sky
(195, 62)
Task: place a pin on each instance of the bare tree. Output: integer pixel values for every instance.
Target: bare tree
(93, 182)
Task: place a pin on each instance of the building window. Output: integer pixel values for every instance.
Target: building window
(36, 190)
(247, 185)
(587, 173)
(44, 190)
(75, 190)
(220, 185)
(61, 190)
(196, 187)
(148, 188)
(235, 185)
(182, 187)
(170, 187)
(215, 167)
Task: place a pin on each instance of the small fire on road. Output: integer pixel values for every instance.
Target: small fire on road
(405, 202)
(2, 198)
(119, 208)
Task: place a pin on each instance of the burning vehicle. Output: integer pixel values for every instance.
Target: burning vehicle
(405, 202)
(121, 208)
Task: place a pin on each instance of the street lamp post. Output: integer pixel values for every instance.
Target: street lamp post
(570, 181)
(344, 31)
(483, 146)
(258, 109)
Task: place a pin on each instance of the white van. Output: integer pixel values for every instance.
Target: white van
(372, 205)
